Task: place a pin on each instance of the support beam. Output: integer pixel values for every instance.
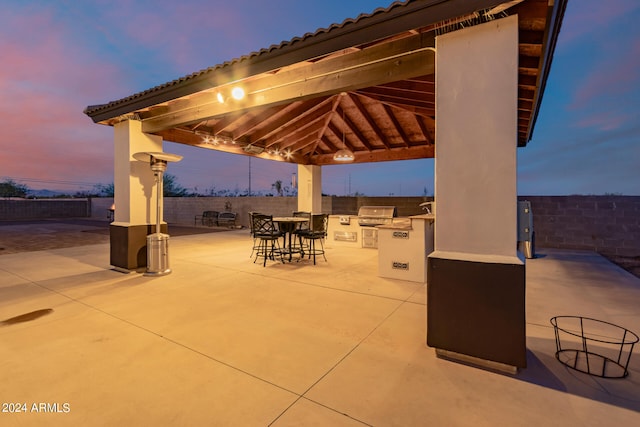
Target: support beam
(476, 279)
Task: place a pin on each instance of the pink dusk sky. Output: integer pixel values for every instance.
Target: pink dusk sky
(60, 56)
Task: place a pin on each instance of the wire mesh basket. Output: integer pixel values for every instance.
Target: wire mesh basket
(593, 346)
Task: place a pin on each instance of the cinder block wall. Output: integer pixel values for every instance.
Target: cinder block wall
(182, 210)
(606, 224)
(405, 205)
(44, 208)
(100, 207)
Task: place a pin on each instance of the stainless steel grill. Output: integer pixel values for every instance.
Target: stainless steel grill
(370, 216)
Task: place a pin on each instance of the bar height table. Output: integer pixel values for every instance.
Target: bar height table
(287, 224)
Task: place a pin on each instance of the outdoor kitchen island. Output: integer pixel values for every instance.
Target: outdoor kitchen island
(403, 243)
(403, 248)
(360, 230)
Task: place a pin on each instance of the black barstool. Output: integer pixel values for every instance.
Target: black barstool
(302, 227)
(317, 231)
(253, 234)
(265, 231)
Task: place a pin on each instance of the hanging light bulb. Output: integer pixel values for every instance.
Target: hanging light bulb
(344, 155)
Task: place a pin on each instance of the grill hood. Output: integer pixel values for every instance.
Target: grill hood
(376, 215)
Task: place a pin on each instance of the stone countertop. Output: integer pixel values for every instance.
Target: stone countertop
(402, 223)
(424, 216)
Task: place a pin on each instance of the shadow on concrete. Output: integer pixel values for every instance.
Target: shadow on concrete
(544, 370)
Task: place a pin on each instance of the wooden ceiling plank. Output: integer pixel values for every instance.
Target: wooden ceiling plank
(300, 110)
(335, 101)
(418, 97)
(530, 37)
(399, 102)
(342, 137)
(398, 127)
(532, 15)
(254, 122)
(372, 123)
(534, 50)
(312, 123)
(410, 85)
(351, 126)
(291, 141)
(314, 148)
(429, 112)
(424, 129)
(303, 144)
(524, 93)
(222, 124)
(397, 99)
(530, 62)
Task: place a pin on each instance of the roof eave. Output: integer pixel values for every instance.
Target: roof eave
(555, 16)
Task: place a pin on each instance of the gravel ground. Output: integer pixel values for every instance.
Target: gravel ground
(629, 263)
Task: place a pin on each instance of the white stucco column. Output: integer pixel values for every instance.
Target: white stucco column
(310, 188)
(476, 278)
(475, 163)
(134, 184)
(134, 195)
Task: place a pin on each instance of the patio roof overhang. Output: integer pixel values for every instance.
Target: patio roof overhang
(367, 84)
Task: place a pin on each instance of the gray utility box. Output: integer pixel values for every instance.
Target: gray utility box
(526, 236)
(157, 254)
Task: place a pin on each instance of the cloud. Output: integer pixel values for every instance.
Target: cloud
(611, 77)
(606, 120)
(584, 162)
(45, 83)
(592, 18)
(598, 57)
(165, 40)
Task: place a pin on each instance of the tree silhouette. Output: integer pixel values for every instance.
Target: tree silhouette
(278, 187)
(104, 190)
(171, 188)
(10, 188)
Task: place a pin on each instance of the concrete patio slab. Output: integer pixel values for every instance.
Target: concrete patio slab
(224, 341)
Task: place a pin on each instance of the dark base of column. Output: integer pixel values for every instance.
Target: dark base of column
(477, 309)
(129, 245)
